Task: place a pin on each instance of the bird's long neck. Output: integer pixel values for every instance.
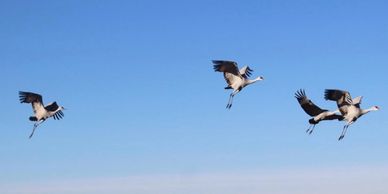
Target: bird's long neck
(251, 81)
(365, 111)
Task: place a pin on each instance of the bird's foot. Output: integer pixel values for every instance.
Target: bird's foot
(310, 132)
(341, 137)
(228, 106)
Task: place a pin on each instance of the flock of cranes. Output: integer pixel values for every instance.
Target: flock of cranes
(348, 109)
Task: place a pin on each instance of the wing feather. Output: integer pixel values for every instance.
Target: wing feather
(334, 117)
(29, 97)
(52, 107)
(357, 101)
(307, 105)
(343, 98)
(246, 72)
(226, 67)
(58, 115)
(33, 98)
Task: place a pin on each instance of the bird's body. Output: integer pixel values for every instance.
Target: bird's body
(235, 78)
(326, 115)
(41, 112)
(314, 111)
(349, 108)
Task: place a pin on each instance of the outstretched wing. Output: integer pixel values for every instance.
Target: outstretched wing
(334, 117)
(29, 97)
(343, 98)
(54, 109)
(246, 72)
(58, 115)
(226, 67)
(357, 101)
(307, 105)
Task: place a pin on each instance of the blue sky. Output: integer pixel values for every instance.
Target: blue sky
(144, 101)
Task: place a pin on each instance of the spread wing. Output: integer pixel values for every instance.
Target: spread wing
(334, 117)
(54, 108)
(357, 101)
(58, 115)
(29, 97)
(307, 105)
(226, 67)
(342, 98)
(246, 72)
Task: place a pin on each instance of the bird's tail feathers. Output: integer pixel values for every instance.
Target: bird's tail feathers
(33, 119)
(313, 122)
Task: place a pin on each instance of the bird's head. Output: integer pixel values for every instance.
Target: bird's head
(62, 108)
(375, 108)
(260, 78)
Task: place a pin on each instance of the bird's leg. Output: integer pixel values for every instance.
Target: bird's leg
(311, 131)
(346, 130)
(308, 129)
(343, 132)
(229, 105)
(35, 126)
(231, 99)
(33, 129)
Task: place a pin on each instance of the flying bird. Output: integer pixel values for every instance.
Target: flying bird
(41, 112)
(315, 111)
(235, 78)
(349, 108)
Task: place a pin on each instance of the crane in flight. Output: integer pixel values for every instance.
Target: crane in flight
(349, 108)
(41, 112)
(235, 78)
(315, 111)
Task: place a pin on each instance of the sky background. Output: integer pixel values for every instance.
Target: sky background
(146, 112)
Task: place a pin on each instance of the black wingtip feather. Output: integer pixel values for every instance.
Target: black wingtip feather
(217, 67)
(217, 62)
(300, 94)
(22, 96)
(58, 115)
(328, 93)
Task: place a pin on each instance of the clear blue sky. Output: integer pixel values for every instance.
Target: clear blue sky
(144, 101)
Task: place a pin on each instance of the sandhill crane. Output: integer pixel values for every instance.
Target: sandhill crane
(349, 108)
(235, 78)
(41, 112)
(314, 111)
